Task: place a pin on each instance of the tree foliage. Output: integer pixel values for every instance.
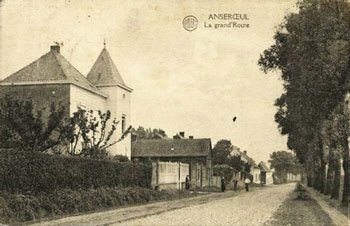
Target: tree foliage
(149, 133)
(88, 134)
(91, 134)
(222, 152)
(222, 155)
(284, 162)
(24, 128)
(312, 52)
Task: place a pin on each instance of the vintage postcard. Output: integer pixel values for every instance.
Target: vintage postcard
(224, 112)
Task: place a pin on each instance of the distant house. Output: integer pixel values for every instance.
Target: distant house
(53, 79)
(235, 151)
(196, 152)
(253, 167)
(265, 174)
(291, 177)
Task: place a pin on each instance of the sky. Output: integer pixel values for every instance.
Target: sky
(191, 81)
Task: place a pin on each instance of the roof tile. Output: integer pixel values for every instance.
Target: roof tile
(171, 147)
(104, 71)
(51, 67)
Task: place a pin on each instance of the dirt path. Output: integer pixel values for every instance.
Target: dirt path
(337, 217)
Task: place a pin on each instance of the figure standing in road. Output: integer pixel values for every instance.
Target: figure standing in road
(187, 184)
(235, 182)
(247, 182)
(223, 184)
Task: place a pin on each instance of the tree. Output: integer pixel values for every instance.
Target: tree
(312, 52)
(222, 155)
(284, 162)
(222, 152)
(26, 129)
(93, 132)
(341, 132)
(149, 133)
(333, 153)
(247, 167)
(237, 163)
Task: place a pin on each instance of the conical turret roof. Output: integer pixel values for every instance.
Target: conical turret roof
(104, 72)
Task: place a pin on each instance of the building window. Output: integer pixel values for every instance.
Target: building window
(123, 123)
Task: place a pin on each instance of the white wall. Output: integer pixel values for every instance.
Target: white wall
(269, 178)
(256, 174)
(85, 99)
(293, 177)
(118, 102)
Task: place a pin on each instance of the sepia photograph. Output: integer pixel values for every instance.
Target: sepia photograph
(163, 112)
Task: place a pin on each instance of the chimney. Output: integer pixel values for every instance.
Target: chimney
(178, 136)
(55, 48)
(182, 134)
(191, 137)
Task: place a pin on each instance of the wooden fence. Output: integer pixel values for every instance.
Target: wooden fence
(169, 175)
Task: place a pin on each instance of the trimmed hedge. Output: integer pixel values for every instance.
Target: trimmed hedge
(28, 207)
(22, 171)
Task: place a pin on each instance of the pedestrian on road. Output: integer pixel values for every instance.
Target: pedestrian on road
(223, 184)
(187, 185)
(247, 182)
(235, 182)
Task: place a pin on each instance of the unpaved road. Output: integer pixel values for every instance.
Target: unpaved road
(229, 208)
(251, 208)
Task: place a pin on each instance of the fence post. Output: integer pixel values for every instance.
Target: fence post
(180, 168)
(157, 173)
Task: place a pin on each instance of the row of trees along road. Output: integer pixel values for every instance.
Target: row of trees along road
(312, 52)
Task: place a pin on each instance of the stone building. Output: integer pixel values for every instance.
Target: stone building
(53, 79)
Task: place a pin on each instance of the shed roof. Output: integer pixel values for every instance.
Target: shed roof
(171, 148)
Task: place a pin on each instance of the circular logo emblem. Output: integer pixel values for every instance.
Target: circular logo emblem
(190, 23)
